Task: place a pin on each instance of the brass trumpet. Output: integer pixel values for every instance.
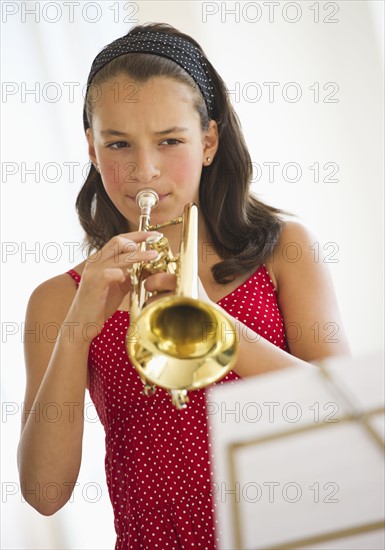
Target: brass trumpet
(179, 343)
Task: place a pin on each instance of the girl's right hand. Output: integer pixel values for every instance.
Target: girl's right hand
(106, 279)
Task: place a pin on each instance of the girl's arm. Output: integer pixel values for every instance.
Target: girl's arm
(308, 304)
(50, 448)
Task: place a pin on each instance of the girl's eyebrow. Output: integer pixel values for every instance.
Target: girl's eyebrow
(173, 130)
(110, 132)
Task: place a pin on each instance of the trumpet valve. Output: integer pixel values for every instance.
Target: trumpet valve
(164, 259)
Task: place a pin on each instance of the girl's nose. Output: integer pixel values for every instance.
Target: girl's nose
(146, 167)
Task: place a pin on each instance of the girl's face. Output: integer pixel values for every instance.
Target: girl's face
(149, 135)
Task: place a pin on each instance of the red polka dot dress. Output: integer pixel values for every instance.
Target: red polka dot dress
(157, 458)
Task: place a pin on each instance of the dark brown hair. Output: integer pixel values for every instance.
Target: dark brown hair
(242, 229)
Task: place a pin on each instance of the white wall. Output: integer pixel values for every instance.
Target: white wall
(343, 56)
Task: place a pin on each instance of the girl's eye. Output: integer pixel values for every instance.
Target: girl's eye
(117, 145)
(171, 141)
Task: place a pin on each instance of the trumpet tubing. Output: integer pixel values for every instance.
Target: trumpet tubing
(178, 343)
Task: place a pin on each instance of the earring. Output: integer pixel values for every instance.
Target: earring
(96, 166)
(208, 160)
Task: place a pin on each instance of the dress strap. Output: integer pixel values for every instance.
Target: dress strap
(75, 275)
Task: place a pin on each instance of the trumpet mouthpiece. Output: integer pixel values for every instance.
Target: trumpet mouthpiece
(147, 198)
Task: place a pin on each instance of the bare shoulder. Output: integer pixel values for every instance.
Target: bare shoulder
(306, 296)
(54, 296)
(294, 229)
(294, 247)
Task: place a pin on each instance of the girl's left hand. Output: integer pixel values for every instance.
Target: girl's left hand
(164, 284)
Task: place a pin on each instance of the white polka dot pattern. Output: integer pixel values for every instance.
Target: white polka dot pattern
(157, 458)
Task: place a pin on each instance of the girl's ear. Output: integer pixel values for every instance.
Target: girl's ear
(210, 142)
(91, 147)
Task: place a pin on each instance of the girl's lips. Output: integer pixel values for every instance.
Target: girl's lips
(161, 197)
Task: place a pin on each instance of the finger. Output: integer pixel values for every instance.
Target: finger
(113, 275)
(161, 282)
(129, 243)
(140, 236)
(137, 256)
(112, 250)
(156, 296)
(122, 250)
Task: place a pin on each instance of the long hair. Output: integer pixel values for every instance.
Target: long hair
(242, 229)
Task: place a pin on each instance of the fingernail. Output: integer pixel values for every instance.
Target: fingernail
(154, 238)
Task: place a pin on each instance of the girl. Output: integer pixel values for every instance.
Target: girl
(157, 115)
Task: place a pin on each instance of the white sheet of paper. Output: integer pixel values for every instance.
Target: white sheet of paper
(298, 457)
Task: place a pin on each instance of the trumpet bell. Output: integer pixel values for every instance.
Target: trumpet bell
(182, 343)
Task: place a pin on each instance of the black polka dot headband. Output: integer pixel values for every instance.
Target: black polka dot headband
(179, 50)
